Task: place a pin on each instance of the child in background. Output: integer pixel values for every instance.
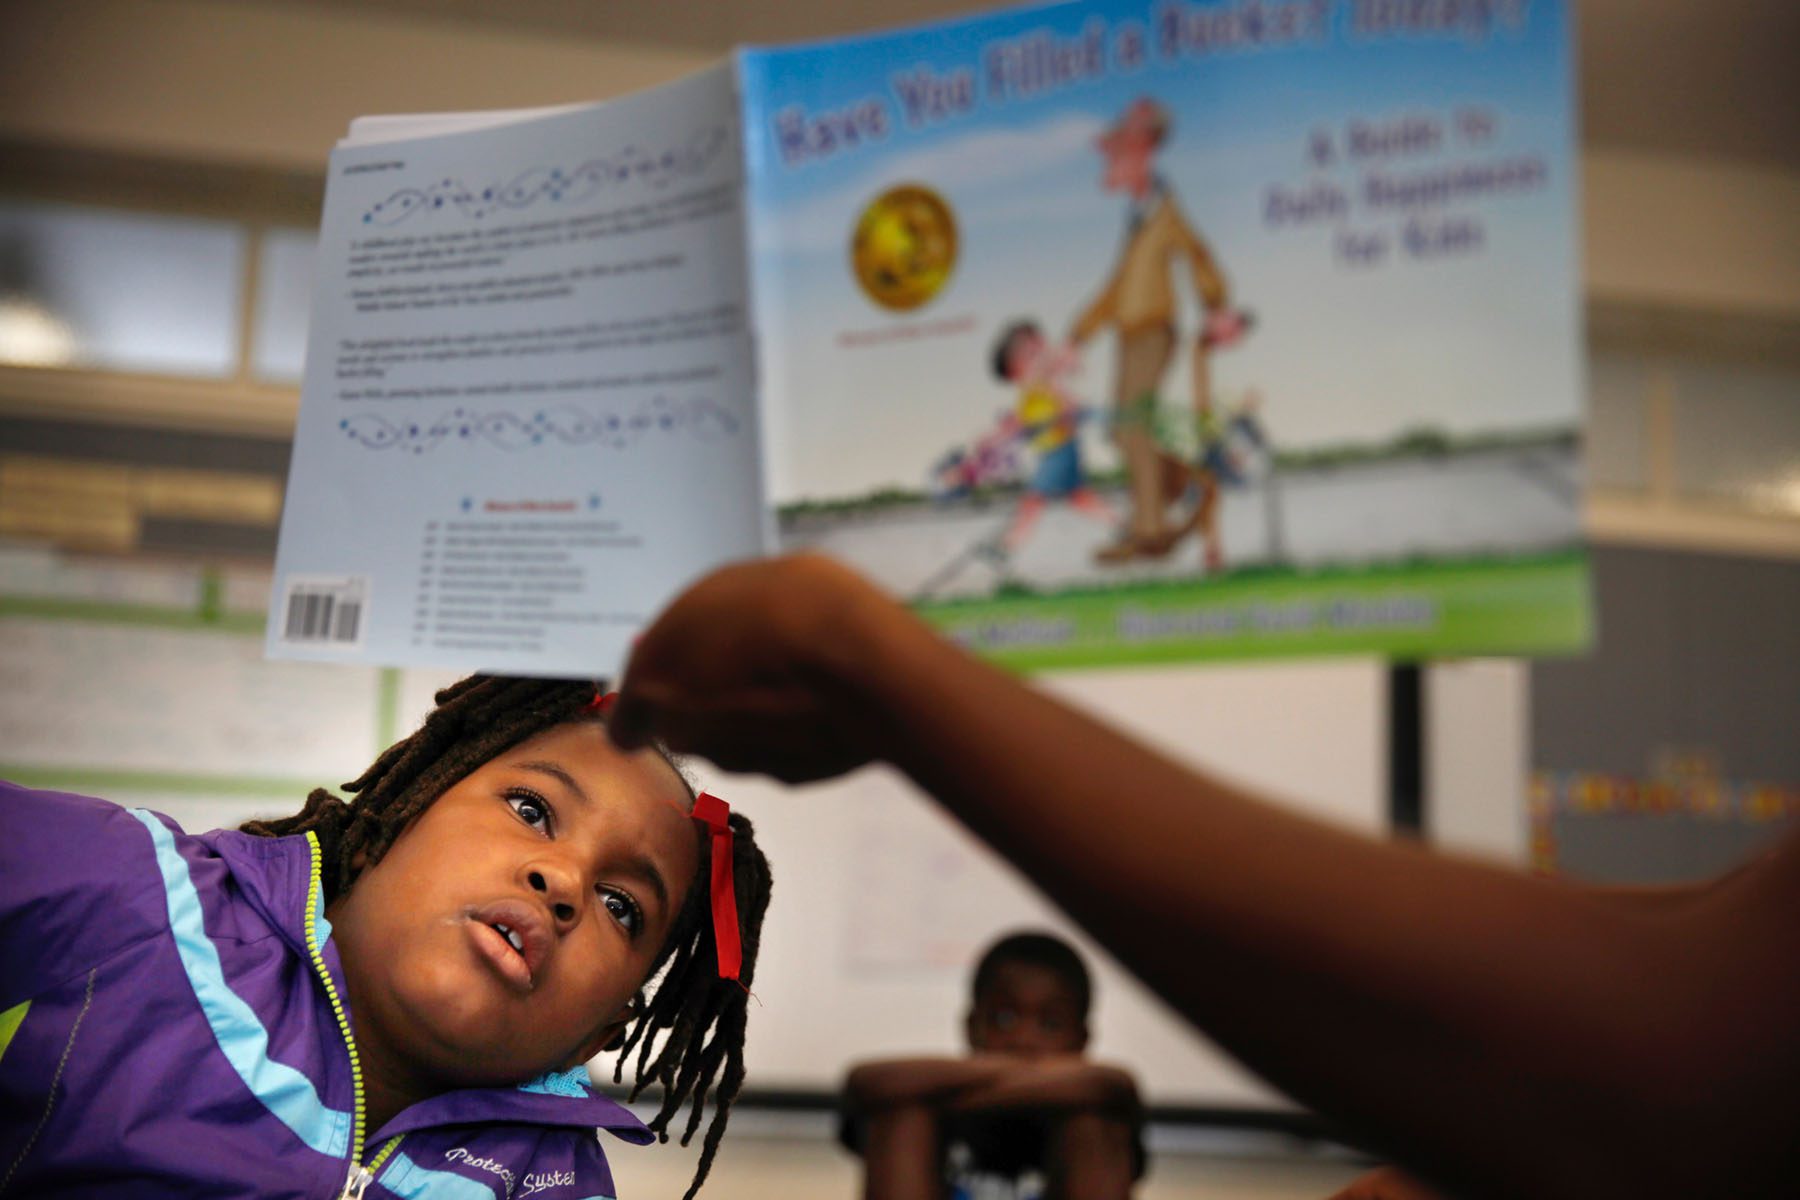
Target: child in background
(1024, 1116)
(393, 997)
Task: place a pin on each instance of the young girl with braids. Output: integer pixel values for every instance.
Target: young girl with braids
(390, 997)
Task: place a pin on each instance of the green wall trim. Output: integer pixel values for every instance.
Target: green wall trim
(205, 618)
(103, 782)
(387, 709)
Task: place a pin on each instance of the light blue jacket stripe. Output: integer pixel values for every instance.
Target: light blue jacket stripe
(321, 929)
(286, 1092)
(408, 1180)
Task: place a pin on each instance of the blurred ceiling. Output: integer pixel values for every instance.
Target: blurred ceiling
(1716, 79)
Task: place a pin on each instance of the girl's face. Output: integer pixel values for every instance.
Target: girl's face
(508, 928)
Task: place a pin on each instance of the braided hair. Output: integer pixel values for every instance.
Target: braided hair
(481, 717)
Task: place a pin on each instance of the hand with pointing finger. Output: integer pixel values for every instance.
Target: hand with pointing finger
(753, 667)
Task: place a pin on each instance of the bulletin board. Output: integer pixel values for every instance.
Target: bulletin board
(1668, 755)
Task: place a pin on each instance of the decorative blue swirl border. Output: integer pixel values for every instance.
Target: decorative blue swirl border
(553, 184)
(701, 418)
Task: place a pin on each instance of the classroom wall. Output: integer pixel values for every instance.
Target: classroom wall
(1690, 234)
(274, 85)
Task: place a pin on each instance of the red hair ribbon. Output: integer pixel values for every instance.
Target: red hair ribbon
(715, 814)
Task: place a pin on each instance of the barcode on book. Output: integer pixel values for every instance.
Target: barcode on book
(325, 612)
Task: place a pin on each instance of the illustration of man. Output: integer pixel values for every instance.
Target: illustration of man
(1139, 302)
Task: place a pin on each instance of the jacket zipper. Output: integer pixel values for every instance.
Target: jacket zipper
(361, 1175)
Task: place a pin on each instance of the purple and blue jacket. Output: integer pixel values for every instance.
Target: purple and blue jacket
(172, 1023)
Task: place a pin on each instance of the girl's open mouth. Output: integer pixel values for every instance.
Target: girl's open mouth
(514, 937)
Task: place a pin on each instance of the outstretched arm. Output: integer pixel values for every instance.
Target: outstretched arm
(1423, 1001)
(990, 1081)
(885, 1083)
(1063, 1083)
(1098, 312)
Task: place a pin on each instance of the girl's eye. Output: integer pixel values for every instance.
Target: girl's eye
(622, 909)
(533, 809)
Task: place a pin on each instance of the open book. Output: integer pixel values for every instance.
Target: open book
(1105, 331)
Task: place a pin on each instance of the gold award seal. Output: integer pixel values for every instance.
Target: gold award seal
(904, 247)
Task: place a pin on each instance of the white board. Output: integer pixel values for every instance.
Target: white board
(881, 902)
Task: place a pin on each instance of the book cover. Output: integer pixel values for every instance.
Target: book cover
(1133, 331)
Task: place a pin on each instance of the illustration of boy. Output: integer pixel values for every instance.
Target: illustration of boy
(1024, 1116)
(1138, 301)
(1047, 418)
